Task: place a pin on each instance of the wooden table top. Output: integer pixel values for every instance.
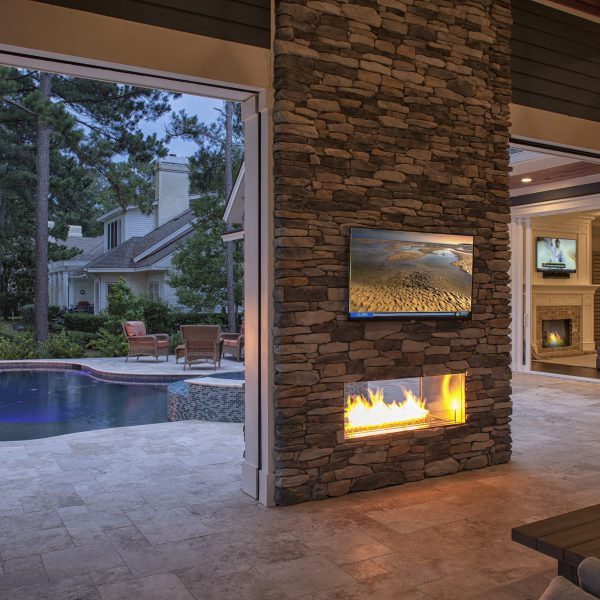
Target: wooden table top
(569, 537)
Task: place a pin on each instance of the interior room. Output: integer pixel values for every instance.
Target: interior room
(560, 259)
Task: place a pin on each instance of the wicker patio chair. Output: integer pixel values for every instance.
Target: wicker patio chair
(233, 343)
(201, 342)
(142, 344)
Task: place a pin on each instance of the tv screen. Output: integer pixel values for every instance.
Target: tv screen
(556, 254)
(403, 274)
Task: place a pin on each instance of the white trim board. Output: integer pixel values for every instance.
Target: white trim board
(52, 62)
(164, 242)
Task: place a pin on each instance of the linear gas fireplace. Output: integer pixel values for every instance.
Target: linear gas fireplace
(377, 407)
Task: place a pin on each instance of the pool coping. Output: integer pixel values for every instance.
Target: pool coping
(66, 365)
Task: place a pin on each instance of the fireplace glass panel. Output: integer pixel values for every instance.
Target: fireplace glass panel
(376, 407)
(556, 333)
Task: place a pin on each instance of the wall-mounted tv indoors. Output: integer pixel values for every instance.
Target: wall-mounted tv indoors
(406, 274)
(556, 255)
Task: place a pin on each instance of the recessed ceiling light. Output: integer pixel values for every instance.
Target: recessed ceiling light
(526, 180)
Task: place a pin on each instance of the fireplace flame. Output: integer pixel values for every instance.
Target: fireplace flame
(553, 338)
(372, 414)
(364, 414)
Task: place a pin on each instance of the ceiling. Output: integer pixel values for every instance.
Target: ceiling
(548, 172)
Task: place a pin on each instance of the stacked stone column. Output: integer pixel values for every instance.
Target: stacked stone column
(390, 114)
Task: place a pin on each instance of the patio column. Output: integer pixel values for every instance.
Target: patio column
(65, 288)
(257, 468)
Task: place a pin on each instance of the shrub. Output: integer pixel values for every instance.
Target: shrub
(174, 341)
(84, 322)
(123, 304)
(27, 310)
(110, 344)
(18, 347)
(62, 345)
(181, 317)
(82, 337)
(22, 346)
(157, 315)
(54, 313)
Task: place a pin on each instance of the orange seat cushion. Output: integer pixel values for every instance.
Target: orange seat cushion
(163, 343)
(134, 328)
(230, 342)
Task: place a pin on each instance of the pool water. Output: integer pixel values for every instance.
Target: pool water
(37, 404)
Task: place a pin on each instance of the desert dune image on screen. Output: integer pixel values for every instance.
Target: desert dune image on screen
(408, 272)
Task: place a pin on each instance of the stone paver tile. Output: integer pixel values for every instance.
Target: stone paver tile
(129, 538)
(377, 589)
(26, 564)
(77, 518)
(75, 588)
(234, 551)
(87, 537)
(20, 570)
(159, 559)
(155, 587)
(171, 526)
(410, 572)
(462, 585)
(111, 575)
(365, 570)
(50, 501)
(77, 561)
(296, 578)
(34, 542)
(29, 521)
(349, 547)
(246, 585)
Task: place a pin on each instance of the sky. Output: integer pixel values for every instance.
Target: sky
(412, 236)
(204, 108)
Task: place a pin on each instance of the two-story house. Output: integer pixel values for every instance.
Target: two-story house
(136, 246)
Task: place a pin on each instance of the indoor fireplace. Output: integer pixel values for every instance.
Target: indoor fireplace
(377, 407)
(556, 333)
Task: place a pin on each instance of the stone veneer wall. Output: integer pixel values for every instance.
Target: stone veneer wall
(389, 114)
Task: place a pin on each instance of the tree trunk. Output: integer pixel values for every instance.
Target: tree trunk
(40, 300)
(229, 264)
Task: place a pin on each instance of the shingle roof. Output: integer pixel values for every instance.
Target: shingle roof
(91, 247)
(122, 256)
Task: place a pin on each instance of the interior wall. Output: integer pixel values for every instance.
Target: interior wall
(392, 115)
(578, 289)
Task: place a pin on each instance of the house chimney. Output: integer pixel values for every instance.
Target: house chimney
(172, 188)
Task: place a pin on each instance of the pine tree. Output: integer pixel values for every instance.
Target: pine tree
(208, 273)
(82, 132)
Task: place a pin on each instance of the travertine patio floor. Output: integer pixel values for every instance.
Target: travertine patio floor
(155, 512)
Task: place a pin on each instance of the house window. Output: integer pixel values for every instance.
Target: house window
(154, 289)
(113, 234)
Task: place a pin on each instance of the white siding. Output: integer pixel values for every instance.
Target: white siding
(137, 224)
(169, 294)
(139, 284)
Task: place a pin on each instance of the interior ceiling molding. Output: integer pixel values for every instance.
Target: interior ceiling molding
(585, 9)
(572, 170)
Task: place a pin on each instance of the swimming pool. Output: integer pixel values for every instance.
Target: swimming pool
(41, 403)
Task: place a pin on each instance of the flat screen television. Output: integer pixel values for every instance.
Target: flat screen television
(554, 255)
(406, 274)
